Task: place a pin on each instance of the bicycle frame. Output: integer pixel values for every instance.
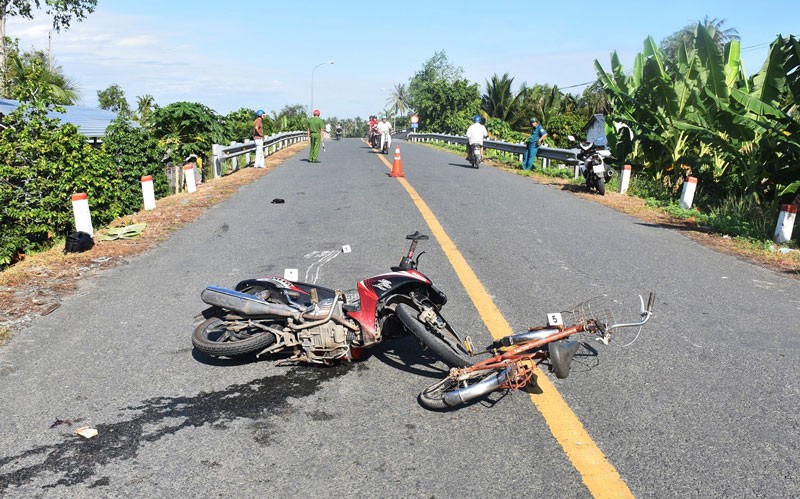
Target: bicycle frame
(516, 357)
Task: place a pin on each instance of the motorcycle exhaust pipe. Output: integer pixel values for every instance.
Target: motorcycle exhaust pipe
(485, 387)
(247, 305)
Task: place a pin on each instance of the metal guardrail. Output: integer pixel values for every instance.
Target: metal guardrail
(567, 156)
(275, 142)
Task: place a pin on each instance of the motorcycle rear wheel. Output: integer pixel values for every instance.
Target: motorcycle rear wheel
(442, 341)
(212, 337)
(433, 397)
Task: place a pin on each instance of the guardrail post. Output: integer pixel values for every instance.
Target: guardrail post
(687, 195)
(216, 153)
(783, 231)
(625, 179)
(234, 160)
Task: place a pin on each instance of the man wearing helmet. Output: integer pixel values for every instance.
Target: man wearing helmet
(475, 135)
(258, 137)
(315, 127)
(385, 129)
(534, 141)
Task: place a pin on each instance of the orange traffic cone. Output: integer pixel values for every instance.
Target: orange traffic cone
(397, 166)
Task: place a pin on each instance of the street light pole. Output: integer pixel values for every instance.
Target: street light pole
(312, 82)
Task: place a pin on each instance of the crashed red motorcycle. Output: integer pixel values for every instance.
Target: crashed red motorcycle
(306, 323)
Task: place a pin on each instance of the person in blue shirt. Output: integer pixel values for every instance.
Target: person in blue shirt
(534, 141)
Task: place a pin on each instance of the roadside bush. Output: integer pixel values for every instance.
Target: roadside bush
(42, 163)
(134, 153)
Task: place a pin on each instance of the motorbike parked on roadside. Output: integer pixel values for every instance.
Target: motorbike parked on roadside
(591, 162)
(307, 323)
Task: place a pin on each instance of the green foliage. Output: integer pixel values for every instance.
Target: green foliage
(135, 153)
(239, 125)
(563, 125)
(444, 101)
(29, 76)
(42, 163)
(703, 118)
(186, 128)
(290, 119)
(113, 99)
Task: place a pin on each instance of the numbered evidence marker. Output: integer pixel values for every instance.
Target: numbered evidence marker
(290, 274)
(554, 319)
(346, 248)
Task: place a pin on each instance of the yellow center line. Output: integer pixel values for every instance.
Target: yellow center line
(599, 476)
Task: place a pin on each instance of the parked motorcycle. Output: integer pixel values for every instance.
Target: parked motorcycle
(475, 155)
(591, 161)
(315, 324)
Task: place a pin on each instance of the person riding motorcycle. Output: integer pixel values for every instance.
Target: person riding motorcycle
(338, 131)
(475, 135)
(385, 129)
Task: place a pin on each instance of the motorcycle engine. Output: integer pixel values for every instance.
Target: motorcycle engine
(325, 343)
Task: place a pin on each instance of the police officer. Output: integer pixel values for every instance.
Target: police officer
(534, 141)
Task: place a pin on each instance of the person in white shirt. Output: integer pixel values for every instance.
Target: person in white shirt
(475, 135)
(385, 129)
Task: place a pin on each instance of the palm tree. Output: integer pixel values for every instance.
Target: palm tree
(145, 106)
(398, 99)
(31, 71)
(686, 36)
(499, 101)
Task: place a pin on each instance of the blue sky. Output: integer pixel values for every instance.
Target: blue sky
(233, 54)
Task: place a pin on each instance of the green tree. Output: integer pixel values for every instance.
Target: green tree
(239, 125)
(145, 107)
(63, 12)
(444, 101)
(684, 38)
(113, 99)
(398, 100)
(30, 73)
(42, 163)
(290, 118)
(135, 153)
(186, 128)
(499, 101)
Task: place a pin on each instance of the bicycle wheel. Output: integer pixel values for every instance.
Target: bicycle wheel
(451, 392)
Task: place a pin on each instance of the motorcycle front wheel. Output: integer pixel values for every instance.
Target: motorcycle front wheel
(441, 340)
(215, 337)
(449, 392)
(601, 186)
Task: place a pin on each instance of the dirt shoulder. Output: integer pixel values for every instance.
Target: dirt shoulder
(36, 285)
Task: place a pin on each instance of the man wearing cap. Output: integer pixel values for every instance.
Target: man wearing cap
(534, 141)
(258, 137)
(315, 126)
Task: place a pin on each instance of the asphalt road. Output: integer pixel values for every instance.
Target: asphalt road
(704, 403)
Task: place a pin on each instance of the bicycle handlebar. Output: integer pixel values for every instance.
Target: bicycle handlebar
(645, 314)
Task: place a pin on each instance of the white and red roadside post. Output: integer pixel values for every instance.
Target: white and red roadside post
(83, 217)
(188, 174)
(148, 193)
(783, 231)
(687, 195)
(625, 179)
